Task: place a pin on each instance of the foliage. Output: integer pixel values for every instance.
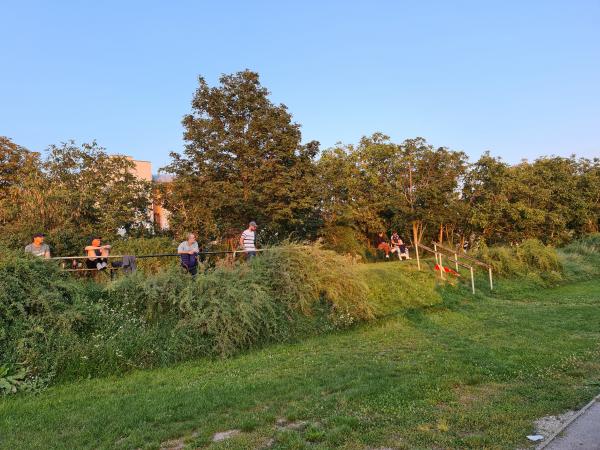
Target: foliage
(243, 160)
(343, 240)
(552, 199)
(379, 186)
(581, 258)
(530, 257)
(475, 374)
(11, 381)
(54, 325)
(148, 246)
(70, 193)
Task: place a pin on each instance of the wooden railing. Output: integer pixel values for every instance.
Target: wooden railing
(437, 245)
(439, 261)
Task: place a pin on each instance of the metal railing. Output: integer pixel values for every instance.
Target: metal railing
(111, 269)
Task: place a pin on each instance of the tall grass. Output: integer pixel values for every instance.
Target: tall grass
(530, 258)
(65, 328)
(58, 326)
(581, 258)
(148, 246)
(533, 264)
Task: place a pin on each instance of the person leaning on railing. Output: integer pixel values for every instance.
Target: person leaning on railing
(97, 254)
(37, 247)
(188, 251)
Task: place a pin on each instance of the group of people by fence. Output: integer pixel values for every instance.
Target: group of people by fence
(189, 251)
(395, 245)
(97, 252)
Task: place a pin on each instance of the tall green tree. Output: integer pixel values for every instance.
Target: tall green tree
(552, 199)
(70, 193)
(243, 160)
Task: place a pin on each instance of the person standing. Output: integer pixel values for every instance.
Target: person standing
(248, 240)
(188, 251)
(37, 247)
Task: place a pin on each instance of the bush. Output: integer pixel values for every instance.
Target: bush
(38, 303)
(581, 258)
(528, 259)
(286, 292)
(53, 325)
(148, 246)
(343, 240)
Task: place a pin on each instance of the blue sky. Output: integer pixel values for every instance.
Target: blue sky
(520, 79)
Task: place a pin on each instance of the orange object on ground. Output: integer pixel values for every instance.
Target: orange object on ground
(447, 270)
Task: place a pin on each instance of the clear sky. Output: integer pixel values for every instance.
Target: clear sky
(518, 78)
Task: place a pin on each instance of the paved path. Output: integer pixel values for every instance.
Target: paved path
(583, 433)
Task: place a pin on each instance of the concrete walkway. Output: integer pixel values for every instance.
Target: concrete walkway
(581, 433)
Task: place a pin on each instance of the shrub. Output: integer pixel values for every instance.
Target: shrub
(581, 258)
(57, 326)
(531, 257)
(273, 298)
(148, 246)
(38, 303)
(343, 240)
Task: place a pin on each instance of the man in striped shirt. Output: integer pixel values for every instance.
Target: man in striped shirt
(248, 240)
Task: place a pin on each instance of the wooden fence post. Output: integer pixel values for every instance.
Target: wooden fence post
(491, 281)
(472, 280)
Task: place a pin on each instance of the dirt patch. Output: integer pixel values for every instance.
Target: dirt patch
(468, 395)
(547, 426)
(296, 425)
(173, 444)
(221, 436)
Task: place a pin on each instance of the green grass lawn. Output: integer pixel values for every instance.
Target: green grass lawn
(464, 372)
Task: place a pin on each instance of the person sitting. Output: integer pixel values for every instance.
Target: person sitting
(399, 247)
(97, 254)
(383, 245)
(37, 247)
(188, 251)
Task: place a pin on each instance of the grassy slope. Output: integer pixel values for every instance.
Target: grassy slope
(470, 372)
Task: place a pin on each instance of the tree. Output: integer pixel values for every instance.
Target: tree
(22, 184)
(429, 186)
(69, 194)
(243, 160)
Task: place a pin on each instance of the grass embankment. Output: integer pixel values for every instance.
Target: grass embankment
(467, 372)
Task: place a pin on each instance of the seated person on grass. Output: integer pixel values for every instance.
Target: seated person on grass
(399, 247)
(97, 254)
(188, 251)
(37, 247)
(383, 245)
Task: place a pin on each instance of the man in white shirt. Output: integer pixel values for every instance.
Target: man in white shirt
(248, 240)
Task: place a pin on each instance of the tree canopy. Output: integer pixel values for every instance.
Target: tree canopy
(244, 159)
(69, 193)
